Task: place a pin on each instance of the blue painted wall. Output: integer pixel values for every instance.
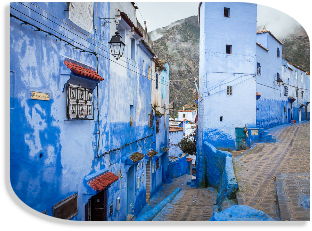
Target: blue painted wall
(175, 137)
(217, 70)
(52, 158)
(178, 167)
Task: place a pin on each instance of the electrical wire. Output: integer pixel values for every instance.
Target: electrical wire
(75, 47)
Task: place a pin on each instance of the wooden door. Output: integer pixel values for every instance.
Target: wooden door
(96, 208)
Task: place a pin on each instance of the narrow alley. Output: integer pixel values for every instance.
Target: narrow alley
(266, 174)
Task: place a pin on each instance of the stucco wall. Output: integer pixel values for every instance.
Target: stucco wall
(219, 70)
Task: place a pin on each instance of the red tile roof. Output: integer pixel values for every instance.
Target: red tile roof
(257, 93)
(80, 70)
(189, 159)
(103, 181)
(175, 129)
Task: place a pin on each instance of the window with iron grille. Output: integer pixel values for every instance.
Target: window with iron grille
(157, 125)
(67, 208)
(278, 52)
(297, 93)
(285, 90)
(151, 119)
(302, 94)
(156, 81)
(258, 69)
(79, 103)
(157, 164)
(229, 90)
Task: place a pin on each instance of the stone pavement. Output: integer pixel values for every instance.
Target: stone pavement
(190, 204)
(256, 170)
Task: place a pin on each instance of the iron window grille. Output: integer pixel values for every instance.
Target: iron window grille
(278, 52)
(67, 208)
(151, 119)
(285, 91)
(297, 93)
(302, 94)
(157, 164)
(79, 103)
(156, 81)
(157, 125)
(111, 209)
(229, 90)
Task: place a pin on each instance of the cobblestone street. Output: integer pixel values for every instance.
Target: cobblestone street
(272, 173)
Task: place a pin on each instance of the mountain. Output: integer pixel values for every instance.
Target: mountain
(178, 44)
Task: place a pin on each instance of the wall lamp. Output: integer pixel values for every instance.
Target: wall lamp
(117, 46)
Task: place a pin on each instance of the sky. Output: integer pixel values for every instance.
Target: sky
(161, 14)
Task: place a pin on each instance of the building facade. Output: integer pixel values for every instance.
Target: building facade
(243, 80)
(83, 126)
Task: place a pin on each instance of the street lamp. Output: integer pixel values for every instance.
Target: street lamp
(117, 46)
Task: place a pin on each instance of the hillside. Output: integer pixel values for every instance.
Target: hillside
(178, 44)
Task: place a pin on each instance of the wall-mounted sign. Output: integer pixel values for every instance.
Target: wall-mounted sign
(40, 95)
(254, 132)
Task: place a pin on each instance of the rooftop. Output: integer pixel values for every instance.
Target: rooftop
(266, 31)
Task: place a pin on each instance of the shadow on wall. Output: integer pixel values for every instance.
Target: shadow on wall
(216, 170)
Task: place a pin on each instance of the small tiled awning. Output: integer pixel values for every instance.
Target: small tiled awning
(258, 94)
(301, 105)
(151, 153)
(80, 70)
(291, 99)
(189, 159)
(103, 181)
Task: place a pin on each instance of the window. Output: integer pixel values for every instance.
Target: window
(79, 102)
(149, 72)
(297, 93)
(296, 75)
(229, 90)
(302, 94)
(226, 12)
(183, 115)
(221, 118)
(156, 81)
(278, 52)
(229, 49)
(301, 78)
(157, 164)
(111, 209)
(133, 49)
(278, 78)
(157, 125)
(258, 69)
(151, 119)
(67, 208)
(285, 90)
(284, 109)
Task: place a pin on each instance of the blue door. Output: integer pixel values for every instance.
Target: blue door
(130, 191)
(289, 115)
(240, 139)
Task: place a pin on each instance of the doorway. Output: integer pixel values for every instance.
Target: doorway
(148, 180)
(240, 139)
(289, 115)
(130, 191)
(96, 208)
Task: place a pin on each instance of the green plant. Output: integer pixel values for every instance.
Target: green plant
(187, 146)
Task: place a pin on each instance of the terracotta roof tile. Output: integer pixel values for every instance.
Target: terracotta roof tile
(189, 159)
(257, 93)
(80, 70)
(103, 181)
(152, 153)
(136, 156)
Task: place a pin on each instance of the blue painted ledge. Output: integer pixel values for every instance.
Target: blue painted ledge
(148, 216)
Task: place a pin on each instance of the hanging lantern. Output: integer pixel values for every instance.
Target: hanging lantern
(117, 46)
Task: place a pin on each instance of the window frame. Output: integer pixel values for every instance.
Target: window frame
(229, 90)
(226, 49)
(226, 12)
